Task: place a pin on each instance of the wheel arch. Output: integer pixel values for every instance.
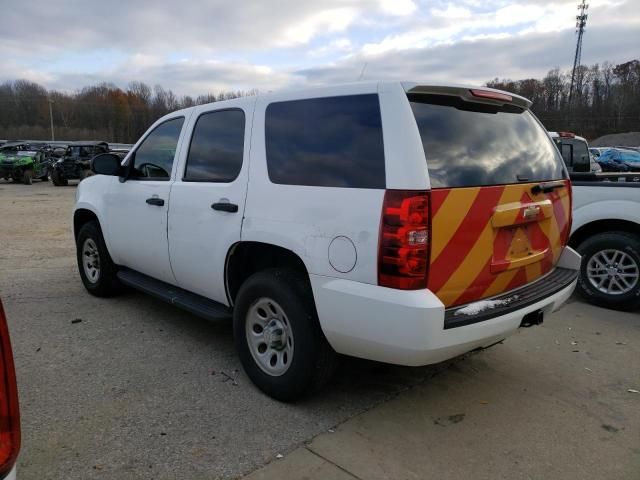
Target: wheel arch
(245, 258)
(80, 217)
(602, 226)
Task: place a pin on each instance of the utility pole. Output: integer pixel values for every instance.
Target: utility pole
(581, 22)
(51, 118)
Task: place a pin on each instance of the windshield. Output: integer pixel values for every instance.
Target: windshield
(473, 144)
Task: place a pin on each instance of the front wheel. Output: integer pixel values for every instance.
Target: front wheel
(610, 270)
(97, 270)
(278, 336)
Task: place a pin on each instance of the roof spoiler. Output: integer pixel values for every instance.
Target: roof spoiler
(478, 95)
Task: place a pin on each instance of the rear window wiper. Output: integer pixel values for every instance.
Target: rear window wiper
(546, 187)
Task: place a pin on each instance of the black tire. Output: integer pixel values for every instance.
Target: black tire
(58, 180)
(313, 361)
(27, 177)
(106, 283)
(627, 243)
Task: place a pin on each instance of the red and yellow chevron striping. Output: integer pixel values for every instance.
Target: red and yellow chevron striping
(489, 240)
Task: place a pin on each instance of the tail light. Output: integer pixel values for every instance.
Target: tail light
(9, 410)
(566, 135)
(404, 240)
(567, 232)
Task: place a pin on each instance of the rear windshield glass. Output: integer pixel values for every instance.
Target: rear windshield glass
(472, 144)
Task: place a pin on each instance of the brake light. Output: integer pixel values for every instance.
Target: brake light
(9, 410)
(566, 135)
(503, 97)
(565, 234)
(404, 240)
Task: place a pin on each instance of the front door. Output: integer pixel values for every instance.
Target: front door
(208, 198)
(136, 209)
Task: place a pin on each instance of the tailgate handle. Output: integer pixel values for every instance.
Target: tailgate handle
(546, 187)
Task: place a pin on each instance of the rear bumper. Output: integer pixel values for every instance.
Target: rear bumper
(408, 327)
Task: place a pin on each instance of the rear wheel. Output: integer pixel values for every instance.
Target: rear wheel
(278, 337)
(27, 177)
(58, 180)
(610, 270)
(97, 270)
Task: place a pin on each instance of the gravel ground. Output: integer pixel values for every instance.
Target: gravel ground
(133, 388)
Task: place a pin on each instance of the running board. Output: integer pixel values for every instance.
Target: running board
(196, 304)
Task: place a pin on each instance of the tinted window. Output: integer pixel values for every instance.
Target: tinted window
(328, 142)
(473, 144)
(154, 157)
(217, 144)
(574, 151)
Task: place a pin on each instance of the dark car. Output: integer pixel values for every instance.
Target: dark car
(619, 160)
(22, 162)
(76, 162)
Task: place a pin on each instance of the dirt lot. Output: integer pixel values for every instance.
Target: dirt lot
(132, 388)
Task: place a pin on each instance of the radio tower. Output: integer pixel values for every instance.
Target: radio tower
(581, 22)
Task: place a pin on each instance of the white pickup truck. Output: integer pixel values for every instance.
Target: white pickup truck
(606, 232)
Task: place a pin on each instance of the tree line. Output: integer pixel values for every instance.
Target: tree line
(605, 98)
(100, 112)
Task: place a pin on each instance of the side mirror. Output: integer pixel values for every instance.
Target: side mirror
(106, 164)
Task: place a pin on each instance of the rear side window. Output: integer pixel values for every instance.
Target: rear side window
(217, 145)
(473, 144)
(326, 142)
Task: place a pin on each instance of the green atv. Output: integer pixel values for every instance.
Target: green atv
(22, 163)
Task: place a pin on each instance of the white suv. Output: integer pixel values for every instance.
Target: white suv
(396, 222)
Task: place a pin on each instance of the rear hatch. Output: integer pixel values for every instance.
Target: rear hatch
(500, 199)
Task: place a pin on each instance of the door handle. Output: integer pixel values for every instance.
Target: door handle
(155, 201)
(225, 207)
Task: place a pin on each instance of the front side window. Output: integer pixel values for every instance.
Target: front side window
(153, 159)
(217, 146)
(326, 142)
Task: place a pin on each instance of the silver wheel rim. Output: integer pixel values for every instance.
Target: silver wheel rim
(269, 337)
(613, 272)
(91, 260)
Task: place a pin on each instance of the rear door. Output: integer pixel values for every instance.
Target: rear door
(500, 198)
(208, 197)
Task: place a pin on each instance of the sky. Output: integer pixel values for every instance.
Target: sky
(207, 46)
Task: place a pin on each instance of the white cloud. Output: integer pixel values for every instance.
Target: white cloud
(267, 45)
(398, 7)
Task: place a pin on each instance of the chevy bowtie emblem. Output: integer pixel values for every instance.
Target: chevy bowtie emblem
(532, 211)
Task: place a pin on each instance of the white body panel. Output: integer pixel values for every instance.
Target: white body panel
(306, 219)
(595, 203)
(407, 327)
(200, 237)
(334, 231)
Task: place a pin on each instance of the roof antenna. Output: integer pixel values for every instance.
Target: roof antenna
(362, 71)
